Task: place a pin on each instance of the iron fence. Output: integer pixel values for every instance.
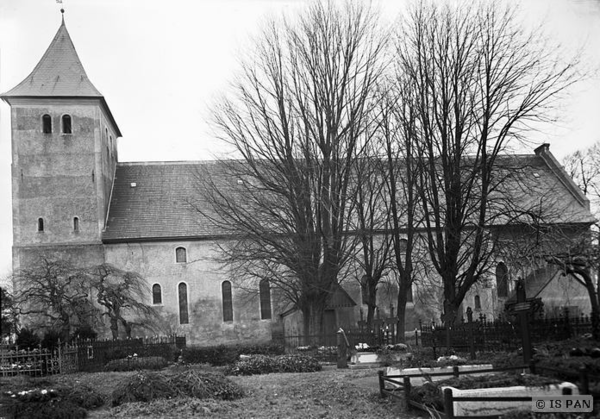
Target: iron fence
(84, 355)
(500, 335)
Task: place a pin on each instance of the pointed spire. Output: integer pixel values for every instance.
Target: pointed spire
(59, 72)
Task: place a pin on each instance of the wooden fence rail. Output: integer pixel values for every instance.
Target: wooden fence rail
(401, 386)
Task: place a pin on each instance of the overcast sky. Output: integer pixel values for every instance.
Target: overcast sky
(160, 65)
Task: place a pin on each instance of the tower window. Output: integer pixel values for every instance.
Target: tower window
(156, 294)
(183, 304)
(40, 224)
(76, 224)
(477, 302)
(66, 124)
(265, 299)
(227, 301)
(180, 255)
(47, 124)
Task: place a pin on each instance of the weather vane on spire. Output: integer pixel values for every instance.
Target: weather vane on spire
(62, 9)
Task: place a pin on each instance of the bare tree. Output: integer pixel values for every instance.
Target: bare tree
(122, 293)
(583, 258)
(584, 167)
(297, 119)
(396, 140)
(53, 293)
(371, 230)
(480, 80)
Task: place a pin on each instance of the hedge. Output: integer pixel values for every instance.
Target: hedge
(227, 354)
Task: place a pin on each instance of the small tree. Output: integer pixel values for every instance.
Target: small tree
(122, 293)
(53, 294)
(9, 313)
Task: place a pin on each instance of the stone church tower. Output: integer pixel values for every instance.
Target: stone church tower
(64, 156)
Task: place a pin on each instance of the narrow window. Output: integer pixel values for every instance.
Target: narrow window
(477, 303)
(156, 294)
(265, 299)
(47, 124)
(40, 224)
(227, 302)
(66, 124)
(502, 280)
(180, 255)
(76, 224)
(183, 304)
(409, 294)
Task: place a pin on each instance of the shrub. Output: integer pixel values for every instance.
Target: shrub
(54, 409)
(82, 395)
(48, 403)
(136, 363)
(227, 354)
(27, 339)
(261, 364)
(85, 332)
(203, 385)
(165, 350)
(142, 387)
(51, 338)
(117, 353)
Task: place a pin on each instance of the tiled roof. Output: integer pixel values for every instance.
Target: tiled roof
(59, 73)
(157, 201)
(534, 185)
(161, 204)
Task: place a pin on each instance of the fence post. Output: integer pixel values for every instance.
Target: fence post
(406, 380)
(532, 367)
(381, 384)
(585, 380)
(342, 350)
(60, 366)
(416, 337)
(448, 404)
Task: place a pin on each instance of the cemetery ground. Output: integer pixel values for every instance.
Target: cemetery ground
(330, 393)
(201, 390)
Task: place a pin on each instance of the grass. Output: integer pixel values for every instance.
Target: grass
(331, 393)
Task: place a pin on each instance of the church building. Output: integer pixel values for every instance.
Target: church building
(73, 199)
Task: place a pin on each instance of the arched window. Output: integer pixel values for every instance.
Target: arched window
(180, 255)
(265, 299)
(47, 124)
(502, 280)
(183, 304)
(40, 224)
(66, 124)
(477, 302)
(76, 224)
(156, 294)
(227, 301)
(409, 294)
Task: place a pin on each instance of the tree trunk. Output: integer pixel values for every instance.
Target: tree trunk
(313, 322)
(114, 327)
(404, 287)
(370, 316)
